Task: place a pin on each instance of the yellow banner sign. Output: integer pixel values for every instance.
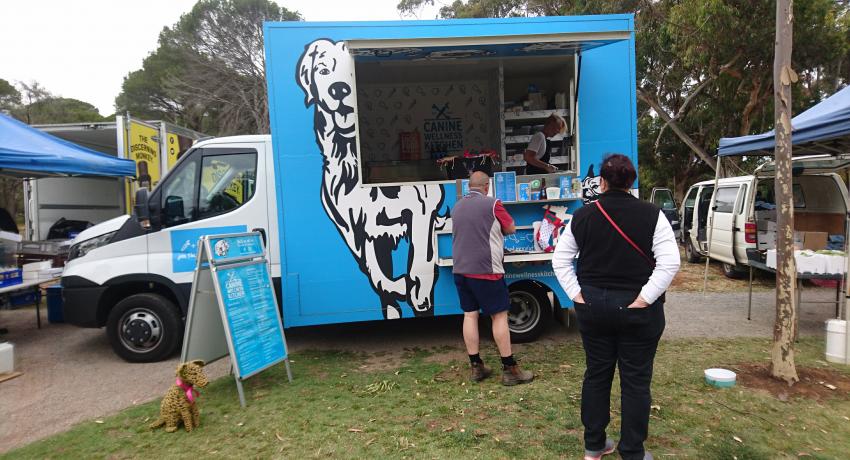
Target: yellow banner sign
(143, 148)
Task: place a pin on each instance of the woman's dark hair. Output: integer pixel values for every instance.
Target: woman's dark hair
(618, 170)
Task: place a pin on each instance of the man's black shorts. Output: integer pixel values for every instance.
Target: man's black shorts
(489, 296)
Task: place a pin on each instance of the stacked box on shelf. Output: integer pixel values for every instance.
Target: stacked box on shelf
(11, 277)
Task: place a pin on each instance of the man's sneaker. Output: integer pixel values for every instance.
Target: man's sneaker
(598, 454)
(513, 375)
(480, 372)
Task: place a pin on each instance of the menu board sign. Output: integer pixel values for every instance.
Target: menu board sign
(233, 309)
(236, 247)
(248, 302)
(505, 185)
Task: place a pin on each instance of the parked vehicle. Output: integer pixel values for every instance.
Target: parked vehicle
(663, 198)
(354, 207)
(97, 199)
(740, 214)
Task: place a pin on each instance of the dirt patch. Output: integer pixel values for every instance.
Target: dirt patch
(446, 357)
(382, 362)
(452, 373)
(814, 383)
(690, 279)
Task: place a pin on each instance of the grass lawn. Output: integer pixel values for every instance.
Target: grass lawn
(417, 404)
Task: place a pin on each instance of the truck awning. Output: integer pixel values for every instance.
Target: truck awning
(438, 48)
(823, 129)
(28, 152)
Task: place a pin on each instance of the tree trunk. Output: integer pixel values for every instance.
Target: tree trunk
(784, 328)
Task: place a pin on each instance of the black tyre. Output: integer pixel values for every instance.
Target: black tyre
(733, 271)
(144, 328)
(530, 313)
(691, 254)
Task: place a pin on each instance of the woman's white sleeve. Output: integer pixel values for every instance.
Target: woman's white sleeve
(562, 262)
(667, 260)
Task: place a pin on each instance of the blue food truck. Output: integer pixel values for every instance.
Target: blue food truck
(375, 127)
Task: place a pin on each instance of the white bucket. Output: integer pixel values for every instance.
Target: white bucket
(721, 378)
(553, 193)
(835, 331)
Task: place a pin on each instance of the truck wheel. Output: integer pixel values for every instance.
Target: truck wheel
(144, 328)
(530, 313)
(691, 254)
(733, 271)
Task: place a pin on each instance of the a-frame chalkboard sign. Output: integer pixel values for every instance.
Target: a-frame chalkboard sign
(233, 309)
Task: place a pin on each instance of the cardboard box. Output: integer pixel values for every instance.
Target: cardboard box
(815, 240)
(766, 240)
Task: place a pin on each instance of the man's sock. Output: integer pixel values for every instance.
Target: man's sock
(508, 361)
(475, 359)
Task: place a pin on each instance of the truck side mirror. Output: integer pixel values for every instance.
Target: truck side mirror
(142, 208)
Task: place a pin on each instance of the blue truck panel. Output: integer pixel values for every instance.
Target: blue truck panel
(355, 252)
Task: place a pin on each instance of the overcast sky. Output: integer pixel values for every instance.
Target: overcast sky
(82, 49)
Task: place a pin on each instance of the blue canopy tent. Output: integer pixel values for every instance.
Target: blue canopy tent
(30, 153)
(823, 129)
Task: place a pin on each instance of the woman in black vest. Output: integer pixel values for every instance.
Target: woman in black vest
(627, 259)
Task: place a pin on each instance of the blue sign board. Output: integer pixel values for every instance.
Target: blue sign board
(505, 185)
(521, 241)
(184, 245)
(247, 298)
(236, 247)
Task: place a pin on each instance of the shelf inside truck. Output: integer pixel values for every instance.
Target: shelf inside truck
(509, 258)
(534, 114)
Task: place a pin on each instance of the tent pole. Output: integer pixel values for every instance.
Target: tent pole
(710, 224)
(846, 291)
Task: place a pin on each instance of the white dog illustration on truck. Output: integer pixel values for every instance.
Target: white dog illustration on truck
(371, 220)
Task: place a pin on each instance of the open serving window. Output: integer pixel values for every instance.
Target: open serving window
(476, 101)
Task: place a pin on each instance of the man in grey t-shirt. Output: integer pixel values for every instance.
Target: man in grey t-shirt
(537, 154)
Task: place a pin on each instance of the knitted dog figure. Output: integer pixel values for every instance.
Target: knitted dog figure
(179, 402)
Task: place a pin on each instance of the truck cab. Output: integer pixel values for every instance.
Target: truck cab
(134, 277)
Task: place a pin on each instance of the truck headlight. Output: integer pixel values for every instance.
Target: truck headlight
(83, 247)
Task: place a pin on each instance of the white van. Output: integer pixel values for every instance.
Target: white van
(740, 215)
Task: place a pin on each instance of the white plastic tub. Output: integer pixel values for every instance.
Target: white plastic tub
(7, 357)
(720, 378)
(835, 331)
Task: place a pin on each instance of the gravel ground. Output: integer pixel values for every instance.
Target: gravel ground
(71, 375)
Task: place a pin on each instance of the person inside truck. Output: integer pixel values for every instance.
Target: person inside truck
(539, 149)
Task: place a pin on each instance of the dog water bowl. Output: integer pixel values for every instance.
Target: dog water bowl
(720, 378)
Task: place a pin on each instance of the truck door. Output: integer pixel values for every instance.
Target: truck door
(739, 241)
(213, 190)
(701, 215)
(688, 206)
(663, 198)
(723, 212)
